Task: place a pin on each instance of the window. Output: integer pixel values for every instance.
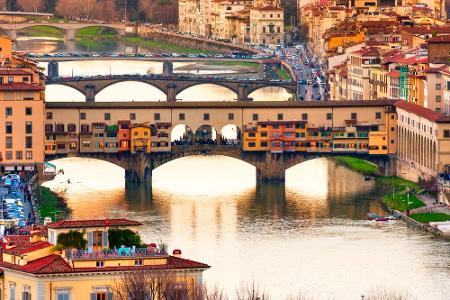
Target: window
(62, 294)
(19, 155)
(251, 134)
(230, 116)
(157, 116)
(26, 294)
(329, 116)
(392, 129)
(8, 111)
(206, 116)
(99, 264)
(252, 144)
(25, 79)
(138, 262)
(82, 116)
(353, 116)
(28, 142)
(60, 128)
(28, 128)
(8, 128)
(28, 154)
(378, 115)
(263, 144)
(438, 86)
(280, 117)
(28, 111)
(181, 117)
(304, 116)
(446, 133)
(12, 291)
(255, 117)
(9, 155)
(438, 98)
(264, 134)
(107, 116)
(84, 128)
(49, 115)
(71, 128)
(132, 116)
(10, 79)
(9, 142)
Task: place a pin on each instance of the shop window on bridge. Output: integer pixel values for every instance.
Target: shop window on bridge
(299, 134)
(300, 125)
(351, 134)
(48, 127)
(59, 128)
(252, 144)
(374, 128)
(72, 145)
(61, 146)
(263, 144)
(86, 144)
(264, 134)
(84, 128)
(252, 134)
(71, 128)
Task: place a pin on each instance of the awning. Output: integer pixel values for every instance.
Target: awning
(10, 168)
(29, 168)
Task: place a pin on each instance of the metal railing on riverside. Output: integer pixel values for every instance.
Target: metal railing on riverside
(114, 253)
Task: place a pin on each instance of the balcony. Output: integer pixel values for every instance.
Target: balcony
(121, 253)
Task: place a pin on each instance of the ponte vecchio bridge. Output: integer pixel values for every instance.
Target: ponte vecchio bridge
(171, 86)
(272, 136)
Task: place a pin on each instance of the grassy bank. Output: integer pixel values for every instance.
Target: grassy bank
(95, 32)
(430, 217)
(51, 203)
(161, 46)
(42, 31)
(396, 193)
(395, 188)
(362, 166)
(283, 74)
(249, 64)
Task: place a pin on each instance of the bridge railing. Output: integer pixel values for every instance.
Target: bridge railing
(205, 147)
(113, 253)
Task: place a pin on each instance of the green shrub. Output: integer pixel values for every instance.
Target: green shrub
(72, 239)
(123, 237)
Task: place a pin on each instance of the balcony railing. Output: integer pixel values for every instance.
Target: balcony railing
(125, 252)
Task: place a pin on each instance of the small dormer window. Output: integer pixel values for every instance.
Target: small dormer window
(100, 264)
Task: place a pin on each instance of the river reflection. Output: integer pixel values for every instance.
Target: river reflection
(307, 235)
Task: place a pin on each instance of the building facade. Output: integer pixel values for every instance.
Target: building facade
(22, 96)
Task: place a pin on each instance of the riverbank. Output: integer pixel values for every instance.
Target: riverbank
(225, 66)
(52, 204)
(361, 166)
(161, 46)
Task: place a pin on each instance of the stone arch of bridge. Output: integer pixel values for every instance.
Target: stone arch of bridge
(118, 159)
(75, 87)
(113, 82)
(189, 85)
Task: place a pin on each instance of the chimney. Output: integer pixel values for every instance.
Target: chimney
(47, 220)
(176, 253)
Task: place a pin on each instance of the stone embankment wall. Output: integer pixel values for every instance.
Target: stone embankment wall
(192, 42)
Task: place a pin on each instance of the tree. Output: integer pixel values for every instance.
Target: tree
(72, 240)
(123, 237)
(30, 5)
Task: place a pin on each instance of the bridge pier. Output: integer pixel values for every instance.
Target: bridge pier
(140, 169)
(171, 92)
(70, 34)
(270, 167)
(243, 93)
(89, 92)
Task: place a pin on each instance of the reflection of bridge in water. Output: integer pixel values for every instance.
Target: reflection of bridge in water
(171, 86)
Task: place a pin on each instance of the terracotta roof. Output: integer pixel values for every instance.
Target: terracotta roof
(52, 264)
(92, 223)
(27, 247)
(20, 86)
(439, 39)
(422, 111)
(16, 239)
(434, 69)
(393, 73)
(55, 264)
(426, 29)
(367, 52)
(13, 72)
(267, 8)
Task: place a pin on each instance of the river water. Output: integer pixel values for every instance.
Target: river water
(306, 236)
